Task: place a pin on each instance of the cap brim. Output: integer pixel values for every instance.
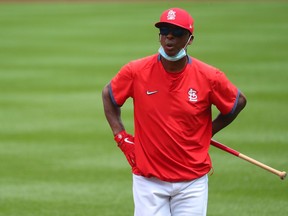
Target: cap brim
(160, 24)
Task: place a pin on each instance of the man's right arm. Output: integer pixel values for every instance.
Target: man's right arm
(112, 112)
(125, 141)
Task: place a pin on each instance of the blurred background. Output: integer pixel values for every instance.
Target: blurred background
(57, 153)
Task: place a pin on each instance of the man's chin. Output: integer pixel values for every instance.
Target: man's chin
(171, 53)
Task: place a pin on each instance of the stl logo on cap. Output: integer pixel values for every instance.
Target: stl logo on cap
(178, 17)
(171, 15)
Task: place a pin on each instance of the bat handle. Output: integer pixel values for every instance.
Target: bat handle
(281, 174)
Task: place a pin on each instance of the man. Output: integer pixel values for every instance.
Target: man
(172, 95)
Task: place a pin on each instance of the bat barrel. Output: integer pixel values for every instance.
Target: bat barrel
(224, 148)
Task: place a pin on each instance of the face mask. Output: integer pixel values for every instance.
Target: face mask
(178, 56)
(182, 53)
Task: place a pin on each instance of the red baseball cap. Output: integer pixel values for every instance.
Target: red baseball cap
(178, 17)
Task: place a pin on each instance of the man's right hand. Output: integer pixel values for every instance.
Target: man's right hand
(126, 144)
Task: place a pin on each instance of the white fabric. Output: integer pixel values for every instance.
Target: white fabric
(153, 197)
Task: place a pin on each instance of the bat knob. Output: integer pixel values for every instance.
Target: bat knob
(283, 175)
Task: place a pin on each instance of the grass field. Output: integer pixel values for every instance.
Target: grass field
(57, 154)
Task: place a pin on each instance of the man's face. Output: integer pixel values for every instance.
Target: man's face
(173, 38)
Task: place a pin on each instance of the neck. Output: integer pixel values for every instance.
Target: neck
(174, 66)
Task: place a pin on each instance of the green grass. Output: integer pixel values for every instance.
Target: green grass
(57, 154)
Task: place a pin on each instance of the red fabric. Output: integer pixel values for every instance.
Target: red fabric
(172, 115)
(178, 17)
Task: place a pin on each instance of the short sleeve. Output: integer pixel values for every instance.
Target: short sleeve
(121, 86)
(224, 94)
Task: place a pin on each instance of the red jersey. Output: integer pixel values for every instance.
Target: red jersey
(172, 114)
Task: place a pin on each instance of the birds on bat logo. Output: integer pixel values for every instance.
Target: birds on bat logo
(171, 15)
(192, 95)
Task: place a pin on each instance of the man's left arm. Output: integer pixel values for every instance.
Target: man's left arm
(221, 121)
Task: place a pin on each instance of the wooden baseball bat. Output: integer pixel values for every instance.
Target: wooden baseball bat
(281, 174)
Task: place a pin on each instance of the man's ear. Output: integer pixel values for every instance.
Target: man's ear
(159, 37)
(191, 40)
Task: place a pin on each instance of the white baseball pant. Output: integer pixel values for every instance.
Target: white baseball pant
(153, 197)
